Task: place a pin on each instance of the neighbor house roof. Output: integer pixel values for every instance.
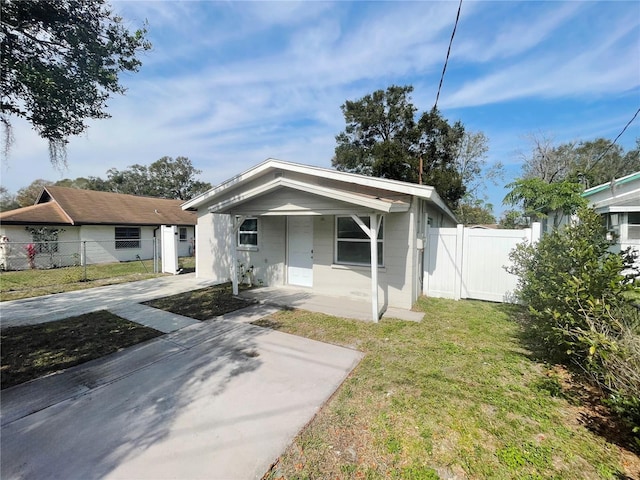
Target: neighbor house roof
(72, 206)
(377, 193)
(619, 195)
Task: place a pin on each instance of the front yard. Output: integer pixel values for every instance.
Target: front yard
(455, 396)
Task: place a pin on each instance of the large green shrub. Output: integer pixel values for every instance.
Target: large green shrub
(579, 292)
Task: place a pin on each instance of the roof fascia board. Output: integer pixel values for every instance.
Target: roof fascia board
(620, 181)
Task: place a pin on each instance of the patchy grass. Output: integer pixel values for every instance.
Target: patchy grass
(36, 350)
(455, 396)
(202, 304)
(34, 283)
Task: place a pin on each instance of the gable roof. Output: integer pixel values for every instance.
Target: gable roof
(377, 193)
(72, 206)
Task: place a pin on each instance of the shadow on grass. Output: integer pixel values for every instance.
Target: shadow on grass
(567, 380)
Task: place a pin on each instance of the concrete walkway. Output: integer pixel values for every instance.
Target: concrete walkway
(306, 299)
(31, 311)
(219, 399)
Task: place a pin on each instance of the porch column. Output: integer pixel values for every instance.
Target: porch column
(372, 233)
(236, 222)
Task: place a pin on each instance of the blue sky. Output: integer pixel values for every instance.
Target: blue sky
(229, 84)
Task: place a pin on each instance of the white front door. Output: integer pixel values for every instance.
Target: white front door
(300, 251)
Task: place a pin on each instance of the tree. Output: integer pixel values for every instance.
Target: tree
(479, 213)
(60, 61)
(28, 195)
(383, 139)
(539, 198)
(164, 178)
(597, 162)
(379, 135)
(7, 200)
(589, 163)
(513, 219)
(176, 178)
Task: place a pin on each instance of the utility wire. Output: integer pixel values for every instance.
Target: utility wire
(444, 68)
(614, 141)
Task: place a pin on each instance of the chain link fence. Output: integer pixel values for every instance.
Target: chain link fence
(38, 265)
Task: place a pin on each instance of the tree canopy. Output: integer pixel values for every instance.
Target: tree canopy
(60, 61)
(588, 162)
(383, 138)
(164, 178)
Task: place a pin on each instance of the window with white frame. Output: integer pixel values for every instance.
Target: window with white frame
(248, 233)
(353, 246)
(183, 234)
(127, 237)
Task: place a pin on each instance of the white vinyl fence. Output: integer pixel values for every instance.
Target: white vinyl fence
(470, 262)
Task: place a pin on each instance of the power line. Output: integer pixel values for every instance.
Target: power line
(444, 68)
(614, 141)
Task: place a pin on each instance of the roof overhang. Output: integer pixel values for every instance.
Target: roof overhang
(208, 199)
(366, 201)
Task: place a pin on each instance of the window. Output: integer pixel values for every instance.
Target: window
(633, 226)
(127, 237)
(45, 240)
(183, 234)
(248, 233)
(353, 245)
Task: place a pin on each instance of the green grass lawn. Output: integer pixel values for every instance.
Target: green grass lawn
(455, 396)
(36, 350)
(32, 283)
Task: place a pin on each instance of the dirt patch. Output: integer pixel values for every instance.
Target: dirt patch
(203, 304)
(33, 351)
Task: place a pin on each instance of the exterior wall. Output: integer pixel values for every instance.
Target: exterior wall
(186, 247)
(68, 252)
(394, 278)
(213, 247)
(101, 244)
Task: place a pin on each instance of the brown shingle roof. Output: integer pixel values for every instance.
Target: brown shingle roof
(88, 207)
(48, 213)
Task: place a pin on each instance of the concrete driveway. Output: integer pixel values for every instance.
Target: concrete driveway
(221, 399)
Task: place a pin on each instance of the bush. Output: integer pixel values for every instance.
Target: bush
(577, 292)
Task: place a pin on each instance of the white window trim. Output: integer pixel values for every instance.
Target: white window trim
(381, 243)
(249, 247)
(186, 234)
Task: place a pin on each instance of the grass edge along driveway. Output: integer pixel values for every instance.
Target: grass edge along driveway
(455, 396)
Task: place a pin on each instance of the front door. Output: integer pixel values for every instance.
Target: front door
(300, 251)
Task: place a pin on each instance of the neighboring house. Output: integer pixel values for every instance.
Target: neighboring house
(115, 227)
(618, 202)
(293, 224)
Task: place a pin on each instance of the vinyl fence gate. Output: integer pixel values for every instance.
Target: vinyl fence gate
(467, 262)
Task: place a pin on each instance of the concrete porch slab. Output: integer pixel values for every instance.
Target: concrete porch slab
(306, 299)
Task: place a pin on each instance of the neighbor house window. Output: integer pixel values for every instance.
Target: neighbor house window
(183, 234)
(353, 246)
(633, 226)
(248, 233)
(45, 240)
(127, 237)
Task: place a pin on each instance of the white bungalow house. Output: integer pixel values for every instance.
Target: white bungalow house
(618, 202)
(336, 233)
(114, 227)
